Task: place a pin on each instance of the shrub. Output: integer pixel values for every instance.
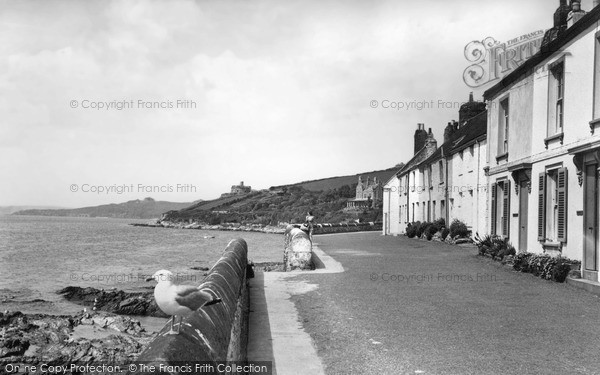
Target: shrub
(432, 230)
(411, 229)
(445, 233)
(537, 262)
(561, 271)
(459, 229)
(521, 262)
(421, 228)
(440, 223)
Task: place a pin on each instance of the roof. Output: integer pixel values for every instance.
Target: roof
(545, 51)
(472, 130)
(413, 162)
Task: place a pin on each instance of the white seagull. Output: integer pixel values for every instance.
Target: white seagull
(178, 299)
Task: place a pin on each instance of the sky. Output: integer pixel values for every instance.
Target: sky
(109, 101)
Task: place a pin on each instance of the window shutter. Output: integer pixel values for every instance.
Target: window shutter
(562, 204)
(506, 210)
(542, 207)
(493, 226)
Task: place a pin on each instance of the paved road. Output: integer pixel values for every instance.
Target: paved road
(406, 306)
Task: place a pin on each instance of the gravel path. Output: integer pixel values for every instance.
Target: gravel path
(405, 306)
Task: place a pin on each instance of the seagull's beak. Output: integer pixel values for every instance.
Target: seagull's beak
(149, 278)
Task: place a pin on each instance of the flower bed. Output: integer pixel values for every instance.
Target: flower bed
(542, 265)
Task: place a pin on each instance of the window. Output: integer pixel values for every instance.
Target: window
(413, 213)
(556, 90)
(430, 176)
(428, 210)
(423, 211)
(443, 208)
(441, 166)
(552, 205)
(503, 128)
(433, 210)
(501, 208)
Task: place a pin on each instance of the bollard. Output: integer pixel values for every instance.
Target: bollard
(213, 333)
(297, 253)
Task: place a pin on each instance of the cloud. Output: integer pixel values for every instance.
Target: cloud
(272, 83)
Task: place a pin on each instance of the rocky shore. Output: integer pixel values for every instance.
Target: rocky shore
(223, 227)
(85, 338)
(114, 301)
(101, 333)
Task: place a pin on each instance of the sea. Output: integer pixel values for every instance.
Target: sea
(40, 255)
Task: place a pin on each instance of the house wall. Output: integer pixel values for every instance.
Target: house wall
(528, 132)
(391, 207)
(468, 191)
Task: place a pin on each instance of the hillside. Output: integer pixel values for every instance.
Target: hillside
(135, 209)
(7, 210)
(339, 181)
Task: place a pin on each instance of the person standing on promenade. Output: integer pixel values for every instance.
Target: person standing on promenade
(310, 224)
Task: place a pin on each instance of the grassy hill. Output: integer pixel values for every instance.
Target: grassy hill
(287, 203)
(136, 209)
(339, 181)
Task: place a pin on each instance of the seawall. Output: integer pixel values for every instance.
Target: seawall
(214, 333)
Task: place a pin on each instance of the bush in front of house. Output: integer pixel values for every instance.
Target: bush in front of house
(411, 229)
(545, 266)
(495, 246)
(445, 233)
(458, 229)
(421, 228)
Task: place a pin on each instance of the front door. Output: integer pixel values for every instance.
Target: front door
(523, 202)
(590, 224)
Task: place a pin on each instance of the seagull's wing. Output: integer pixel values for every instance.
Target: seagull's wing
(192, 298)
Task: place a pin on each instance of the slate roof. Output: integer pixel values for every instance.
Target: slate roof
(472, 130)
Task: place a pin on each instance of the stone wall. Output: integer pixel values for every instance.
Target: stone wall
(217, 332)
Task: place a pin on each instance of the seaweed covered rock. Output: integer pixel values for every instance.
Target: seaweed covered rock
(115, 301)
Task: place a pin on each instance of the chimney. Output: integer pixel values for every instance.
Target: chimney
(575, 14)
(241, 183)
(430, 143)
(470, 109)
(560, 16)
(420, 137)
(449, 131)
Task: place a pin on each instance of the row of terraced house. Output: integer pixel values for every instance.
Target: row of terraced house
(524, 163)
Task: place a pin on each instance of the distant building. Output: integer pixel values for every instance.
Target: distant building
(368, 194)
(238, 190)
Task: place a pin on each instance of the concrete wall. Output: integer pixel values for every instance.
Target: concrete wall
(213, 333)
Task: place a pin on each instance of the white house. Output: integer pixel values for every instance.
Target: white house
(544, 144)
(446, 182)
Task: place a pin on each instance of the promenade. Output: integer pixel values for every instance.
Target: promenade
(405, 306)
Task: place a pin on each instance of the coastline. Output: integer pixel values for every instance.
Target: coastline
(270, 229)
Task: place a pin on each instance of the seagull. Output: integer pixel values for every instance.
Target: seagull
(178, 299)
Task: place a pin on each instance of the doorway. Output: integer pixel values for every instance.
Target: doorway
(523, 213)
(590, 223)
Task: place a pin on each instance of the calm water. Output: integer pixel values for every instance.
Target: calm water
(40, 255)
